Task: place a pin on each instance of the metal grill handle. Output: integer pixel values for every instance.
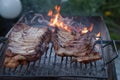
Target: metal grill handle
(116, 51)
(111, 42)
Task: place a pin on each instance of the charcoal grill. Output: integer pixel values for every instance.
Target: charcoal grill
(51, 66)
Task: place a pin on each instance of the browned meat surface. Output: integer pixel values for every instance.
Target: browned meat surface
(76, 45)
(24, 44)
(88, 58)
(64, 37)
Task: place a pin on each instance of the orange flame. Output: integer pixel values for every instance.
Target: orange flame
(84, 30)
(57, 8)
(50, 13)
(98, 35)
(91, 27)
(56, 21)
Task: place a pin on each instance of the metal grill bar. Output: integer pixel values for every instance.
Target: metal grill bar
(105, 43)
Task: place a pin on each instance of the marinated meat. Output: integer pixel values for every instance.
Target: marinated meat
(63, 37)
(25, 44)
(81, 47)
(88, 58)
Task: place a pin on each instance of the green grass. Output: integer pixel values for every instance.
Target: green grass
(115, 36)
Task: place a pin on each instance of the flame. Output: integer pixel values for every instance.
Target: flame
(84, 30)
(50, 13)
(57, 8)
(56, 20)
(91, 27)
(98, 35)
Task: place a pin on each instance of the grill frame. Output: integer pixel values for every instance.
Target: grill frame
(92, 77)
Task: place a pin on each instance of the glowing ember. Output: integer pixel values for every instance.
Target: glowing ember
(98, 35)
(56, 20)
(84, 30)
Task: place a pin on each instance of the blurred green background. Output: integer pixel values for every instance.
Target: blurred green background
(109, 9)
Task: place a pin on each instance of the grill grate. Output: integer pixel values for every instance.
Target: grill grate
(51, 65)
